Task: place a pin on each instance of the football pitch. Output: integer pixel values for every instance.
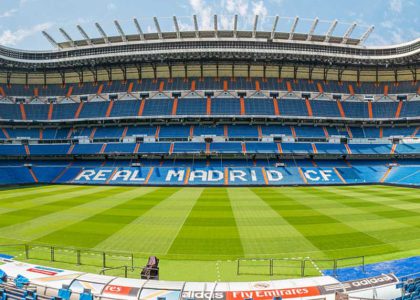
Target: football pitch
(199, 233)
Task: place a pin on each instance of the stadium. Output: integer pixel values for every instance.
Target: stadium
(214, 164)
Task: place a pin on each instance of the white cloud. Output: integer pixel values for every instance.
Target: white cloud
(11, 38)
(204, 10)
(258, 8)
(239, 7)
(8, 13)
(111, 6)
(394, 35)
(397, 36)
(396, 6)
(387, 24)
(225, 9)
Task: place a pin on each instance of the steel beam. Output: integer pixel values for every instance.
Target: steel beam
(84, 34)
(159, 32)
(120, 31)
(235, 26)
(254, 31)
(312, 30)
(178, 33)
(348, 33)
(139, 30)
(67, 36)
(273, 30)
(293, 29)
(215, 26)
(102, 32)
(366, 35)
(196, 29)
(50, 39)
(330, 31)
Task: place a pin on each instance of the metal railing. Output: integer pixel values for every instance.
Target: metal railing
(76, 256)
(293, 267)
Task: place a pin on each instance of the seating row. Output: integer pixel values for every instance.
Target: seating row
(185, 132)
(164, 148)
(211, 83)
(212, 107)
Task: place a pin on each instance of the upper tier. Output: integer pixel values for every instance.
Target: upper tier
(212, 84)
(215, 46)
(213, 108)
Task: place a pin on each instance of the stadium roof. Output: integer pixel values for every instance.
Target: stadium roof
(216, 45)
(177, 34)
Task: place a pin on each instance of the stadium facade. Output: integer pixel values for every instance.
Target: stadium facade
(209, 107)
(217, 107)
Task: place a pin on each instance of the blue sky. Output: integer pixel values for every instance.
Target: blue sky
(21, 21)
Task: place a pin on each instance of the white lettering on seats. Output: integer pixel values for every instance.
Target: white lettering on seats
(134, 176)
(215, 175)
(326, 174)
(101, 175)
(172, 173)
(309, 173)
(86, 174)
(273, 175)
(237, 174)
(124, 174)
(200, 174)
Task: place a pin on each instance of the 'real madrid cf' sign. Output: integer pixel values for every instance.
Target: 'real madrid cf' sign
(208, 176)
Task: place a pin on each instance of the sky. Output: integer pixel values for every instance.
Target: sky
(22, 21)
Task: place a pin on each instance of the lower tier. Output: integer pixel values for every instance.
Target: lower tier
(215, 173)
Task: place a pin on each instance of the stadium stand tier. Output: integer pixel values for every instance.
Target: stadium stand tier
(162, 137)
(262, 106)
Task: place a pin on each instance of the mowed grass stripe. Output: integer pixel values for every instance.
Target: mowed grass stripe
(263, 232)
(329, 235)
(12, 200)
(382, 206)
(154, 231)
(363, 218)
(7, 192)
(210, 229)
(345, 235)
(45, 205)
(34, 199)
(397, 204)
(405, 194)
(37, 199)
(36, 228)
(92, 230)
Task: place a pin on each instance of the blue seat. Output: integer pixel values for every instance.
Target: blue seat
(64, 111)
(36, 111)
(64, 293)
(325, 108)
(10, 112)
(116, 148)
(243, 131)
(354, 109)
(268, 148)
(125, 108)
(21, 281)
(86, 295)
(292, 107)
(194, 106)
(94, 110)
(259, 106)
(158, 107)
(225, 106)
(190, 147)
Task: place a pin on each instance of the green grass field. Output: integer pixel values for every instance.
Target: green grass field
(198, 233)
